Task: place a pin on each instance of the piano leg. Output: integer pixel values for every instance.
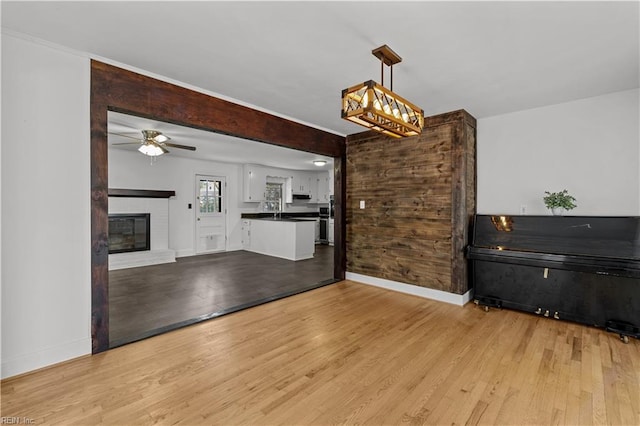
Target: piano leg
(624, 329)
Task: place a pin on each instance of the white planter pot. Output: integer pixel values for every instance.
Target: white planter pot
(557, 211)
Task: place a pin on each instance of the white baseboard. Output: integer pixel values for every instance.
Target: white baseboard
(185, 253)
(427, 293)
(191, 252)
(44, 358)
(140, 258)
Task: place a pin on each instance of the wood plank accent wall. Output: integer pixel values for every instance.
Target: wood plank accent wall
(420, 197)
(117, 89)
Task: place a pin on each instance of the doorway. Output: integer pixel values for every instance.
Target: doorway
(117, 89)
(212, 275)
(211, 214)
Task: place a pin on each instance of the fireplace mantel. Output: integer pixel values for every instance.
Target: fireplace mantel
(140, 193)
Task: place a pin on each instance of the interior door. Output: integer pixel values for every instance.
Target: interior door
(211, 214)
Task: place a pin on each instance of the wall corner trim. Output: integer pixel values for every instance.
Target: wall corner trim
(427, 293)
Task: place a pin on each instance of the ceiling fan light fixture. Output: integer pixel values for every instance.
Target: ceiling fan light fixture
(150, 134)
(151, 150)
(374, 106)
(161, 138)
(319, 163)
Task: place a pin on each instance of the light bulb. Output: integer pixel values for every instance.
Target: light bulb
(150, 150)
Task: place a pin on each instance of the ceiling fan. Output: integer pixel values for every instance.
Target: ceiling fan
(153, 143)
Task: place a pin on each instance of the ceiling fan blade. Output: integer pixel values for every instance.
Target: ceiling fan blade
(175, 145)
(164, 150)
(125, 136)
(127, 143)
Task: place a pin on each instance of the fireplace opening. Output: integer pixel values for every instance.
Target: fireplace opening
(129, 232)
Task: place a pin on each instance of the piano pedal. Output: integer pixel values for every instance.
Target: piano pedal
(624, 329)
(488, 302)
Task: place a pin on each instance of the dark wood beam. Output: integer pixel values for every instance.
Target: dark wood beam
(140, 193)
(128, 92)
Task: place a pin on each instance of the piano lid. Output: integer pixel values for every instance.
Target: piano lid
(617, 237)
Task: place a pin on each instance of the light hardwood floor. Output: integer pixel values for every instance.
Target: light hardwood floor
(346, 354)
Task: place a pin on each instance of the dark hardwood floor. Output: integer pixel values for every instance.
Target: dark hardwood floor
(150, 300)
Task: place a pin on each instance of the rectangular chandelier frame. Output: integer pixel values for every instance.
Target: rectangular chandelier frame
(372, 105)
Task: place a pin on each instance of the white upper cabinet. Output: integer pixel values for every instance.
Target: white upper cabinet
(313, 187)
(322, 194)
(255, 182)
(301, 182)
(317, 185)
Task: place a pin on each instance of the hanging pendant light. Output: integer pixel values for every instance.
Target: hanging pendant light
(374, 106)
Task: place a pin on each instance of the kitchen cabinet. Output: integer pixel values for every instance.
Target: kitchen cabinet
(317, 239)
(288, 190)
(313, 187)
(246, 234)
(300, 182)
(289, 239)
(322, 193)
(255, 181)
(317, 185)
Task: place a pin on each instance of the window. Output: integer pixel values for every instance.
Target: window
(210, 196)
(273, 197)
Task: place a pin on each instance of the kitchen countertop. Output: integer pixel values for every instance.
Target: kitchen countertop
(284, 215)
(282, 219)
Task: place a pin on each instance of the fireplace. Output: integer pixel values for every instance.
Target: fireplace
(129, 232)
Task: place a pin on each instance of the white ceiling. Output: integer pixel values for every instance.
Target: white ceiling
(294, 58)
(210, 146)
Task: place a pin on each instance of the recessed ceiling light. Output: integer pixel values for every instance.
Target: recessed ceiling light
(319, 163)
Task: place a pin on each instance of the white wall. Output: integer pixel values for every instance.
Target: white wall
(591, 147)
(132, 170)
(46, 243)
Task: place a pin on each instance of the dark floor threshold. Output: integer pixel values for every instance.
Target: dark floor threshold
(206, 317)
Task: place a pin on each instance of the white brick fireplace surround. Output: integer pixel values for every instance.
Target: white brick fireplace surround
(160, 251)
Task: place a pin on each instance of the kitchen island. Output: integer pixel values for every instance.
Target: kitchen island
(292, 239)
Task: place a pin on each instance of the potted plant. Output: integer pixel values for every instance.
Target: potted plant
(558, 202)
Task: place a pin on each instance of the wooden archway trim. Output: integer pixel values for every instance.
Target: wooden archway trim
(117, 89)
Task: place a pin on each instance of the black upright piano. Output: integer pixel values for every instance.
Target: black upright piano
(584, 269)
